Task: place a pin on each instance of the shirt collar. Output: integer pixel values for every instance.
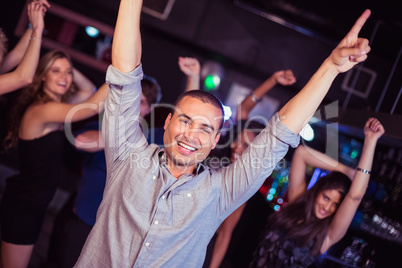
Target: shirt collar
(163, 160)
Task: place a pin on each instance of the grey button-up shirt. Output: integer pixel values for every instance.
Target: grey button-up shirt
(148, 218)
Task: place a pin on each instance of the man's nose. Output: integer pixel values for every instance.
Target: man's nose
(192, 133)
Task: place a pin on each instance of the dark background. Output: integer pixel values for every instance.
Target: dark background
(240, 35)
(246, 38)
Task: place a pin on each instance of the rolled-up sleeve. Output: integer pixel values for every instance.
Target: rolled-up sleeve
(121, 129)
(242, 179)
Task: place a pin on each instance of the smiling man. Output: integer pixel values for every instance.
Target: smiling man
(192, 130)
(162, 206)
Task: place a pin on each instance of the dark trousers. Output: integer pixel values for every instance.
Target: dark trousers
(68, 238)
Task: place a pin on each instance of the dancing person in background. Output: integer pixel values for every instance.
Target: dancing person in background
(37, 128)
(315, 219)
(249, 130)
(161, 206)
(191, 67)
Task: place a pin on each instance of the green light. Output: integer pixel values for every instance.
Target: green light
(354, 153)
(211, 82)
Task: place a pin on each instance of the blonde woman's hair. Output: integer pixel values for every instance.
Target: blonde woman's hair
(3, 46)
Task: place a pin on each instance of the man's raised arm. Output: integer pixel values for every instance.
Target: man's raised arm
(350, 51)
(121, 130)
(126, 48)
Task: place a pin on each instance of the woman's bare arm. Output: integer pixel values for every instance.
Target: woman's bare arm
(25, 71)
(305, 156)
(373, 130)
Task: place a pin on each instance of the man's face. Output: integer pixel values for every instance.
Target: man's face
(191, 132)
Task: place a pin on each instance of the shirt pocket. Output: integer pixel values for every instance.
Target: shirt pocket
(140, 196)
(188, 206)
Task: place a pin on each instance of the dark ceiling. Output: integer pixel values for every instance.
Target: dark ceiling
(254, 38)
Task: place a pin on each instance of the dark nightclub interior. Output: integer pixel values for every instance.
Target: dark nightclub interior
(249, 40)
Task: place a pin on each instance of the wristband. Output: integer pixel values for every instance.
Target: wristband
(363, 170)
(255, 98)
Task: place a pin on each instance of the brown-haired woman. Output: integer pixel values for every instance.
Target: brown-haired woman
(317, 218)
(37, 127)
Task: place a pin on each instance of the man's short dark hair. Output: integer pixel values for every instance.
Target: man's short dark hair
(151, 90)
(205, 97)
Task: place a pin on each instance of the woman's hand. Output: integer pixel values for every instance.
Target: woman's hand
(189, 66)
(36, 13)
(285, 77)
(373, 129)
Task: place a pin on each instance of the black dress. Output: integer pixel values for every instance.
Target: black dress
(277, 251)
(28, 193)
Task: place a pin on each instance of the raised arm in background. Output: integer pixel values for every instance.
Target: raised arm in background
(373, 130)
(29, 46)
(305, 156)
(86, 87)
(284, 78)
(349, 52)
(190, 67)
(14, 57)
(224, 233)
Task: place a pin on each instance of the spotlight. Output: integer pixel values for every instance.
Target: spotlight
(212, 75)
(91, 31)
(307, 133)
(228, 112)
(212, 82)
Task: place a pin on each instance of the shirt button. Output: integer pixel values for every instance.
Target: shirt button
(163, 197)
(156, 222)
(188, 195)
(154, 177)
(147, 244)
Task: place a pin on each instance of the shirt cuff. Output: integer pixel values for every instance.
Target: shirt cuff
(115, 77)
(283, 133)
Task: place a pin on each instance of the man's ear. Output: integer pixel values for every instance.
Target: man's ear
(167, 121)
(216, 140)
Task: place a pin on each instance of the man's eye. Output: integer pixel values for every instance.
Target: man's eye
(185, 121)
(206, 130)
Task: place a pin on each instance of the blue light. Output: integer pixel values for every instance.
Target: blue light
(280, 201)
(277, 207)
(270, 197)
(272, 191)
(314, 178)
(91, 31)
